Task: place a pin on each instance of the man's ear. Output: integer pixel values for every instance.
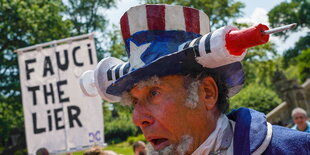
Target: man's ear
(209, 92)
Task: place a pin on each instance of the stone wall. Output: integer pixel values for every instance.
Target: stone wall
(294, 96)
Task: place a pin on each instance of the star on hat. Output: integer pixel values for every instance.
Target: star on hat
(135, 57)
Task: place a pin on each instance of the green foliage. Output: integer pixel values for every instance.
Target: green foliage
(29, 22)
(220, 12)
(297, 67)
(294, 11)
(256, 97)
(304, 64)
(118, 124)
(85, 15)
(133, 139)
(118, 130)
(292, 72)
(116, 44)
(289, 56)
(121, 148)
(8, 115)
(260, 64)
(23, 23)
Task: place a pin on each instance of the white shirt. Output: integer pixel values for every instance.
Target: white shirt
(213, 143)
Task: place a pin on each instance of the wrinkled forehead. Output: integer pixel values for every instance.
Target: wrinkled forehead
(155, 81)
(164, 80)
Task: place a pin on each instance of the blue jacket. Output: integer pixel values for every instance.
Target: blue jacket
(253, 134)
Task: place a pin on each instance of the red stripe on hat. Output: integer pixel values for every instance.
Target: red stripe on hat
(125, 26)
(191, 20)
(155, 17)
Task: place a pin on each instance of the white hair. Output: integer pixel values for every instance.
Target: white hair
(126, 99)
(185, 145)
(299, 111)
(192, 94)
(173, 149)
(165, 151)
(191, 86)
(154, 80)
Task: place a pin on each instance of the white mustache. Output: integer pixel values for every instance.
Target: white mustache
(173, 149)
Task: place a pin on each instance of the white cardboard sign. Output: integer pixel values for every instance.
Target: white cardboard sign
(57, 114)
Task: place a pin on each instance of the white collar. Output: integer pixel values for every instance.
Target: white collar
(214, 143)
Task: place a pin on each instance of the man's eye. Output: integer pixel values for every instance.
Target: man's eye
(154, 92)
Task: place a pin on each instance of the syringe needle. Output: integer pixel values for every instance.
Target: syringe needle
(279, 29)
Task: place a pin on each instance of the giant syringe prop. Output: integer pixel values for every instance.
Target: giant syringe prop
(228, 44)
(215, 49)
(239, 41)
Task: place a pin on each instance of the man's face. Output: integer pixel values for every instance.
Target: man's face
(160, 112)
(299, 119)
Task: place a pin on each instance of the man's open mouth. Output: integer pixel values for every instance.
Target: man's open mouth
(159, 143)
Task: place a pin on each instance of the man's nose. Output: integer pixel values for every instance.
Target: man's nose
(141, 116)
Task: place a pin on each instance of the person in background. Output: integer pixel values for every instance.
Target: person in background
(42, 151)
(96, 150)
(300, 119)
(139, 148)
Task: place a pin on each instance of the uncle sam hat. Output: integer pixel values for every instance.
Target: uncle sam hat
(163, 40)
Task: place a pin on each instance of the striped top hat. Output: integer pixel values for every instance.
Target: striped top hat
(152, 31)
(165, 40)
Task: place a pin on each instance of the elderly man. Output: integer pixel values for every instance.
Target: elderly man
(178, 80)
(300, 119)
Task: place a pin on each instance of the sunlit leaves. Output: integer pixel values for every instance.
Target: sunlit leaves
(256, 97)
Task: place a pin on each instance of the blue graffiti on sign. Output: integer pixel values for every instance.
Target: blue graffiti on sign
(94, 136)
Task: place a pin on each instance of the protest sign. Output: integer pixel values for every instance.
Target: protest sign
(57, 114)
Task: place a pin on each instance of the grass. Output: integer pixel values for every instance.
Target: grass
(123, 148)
